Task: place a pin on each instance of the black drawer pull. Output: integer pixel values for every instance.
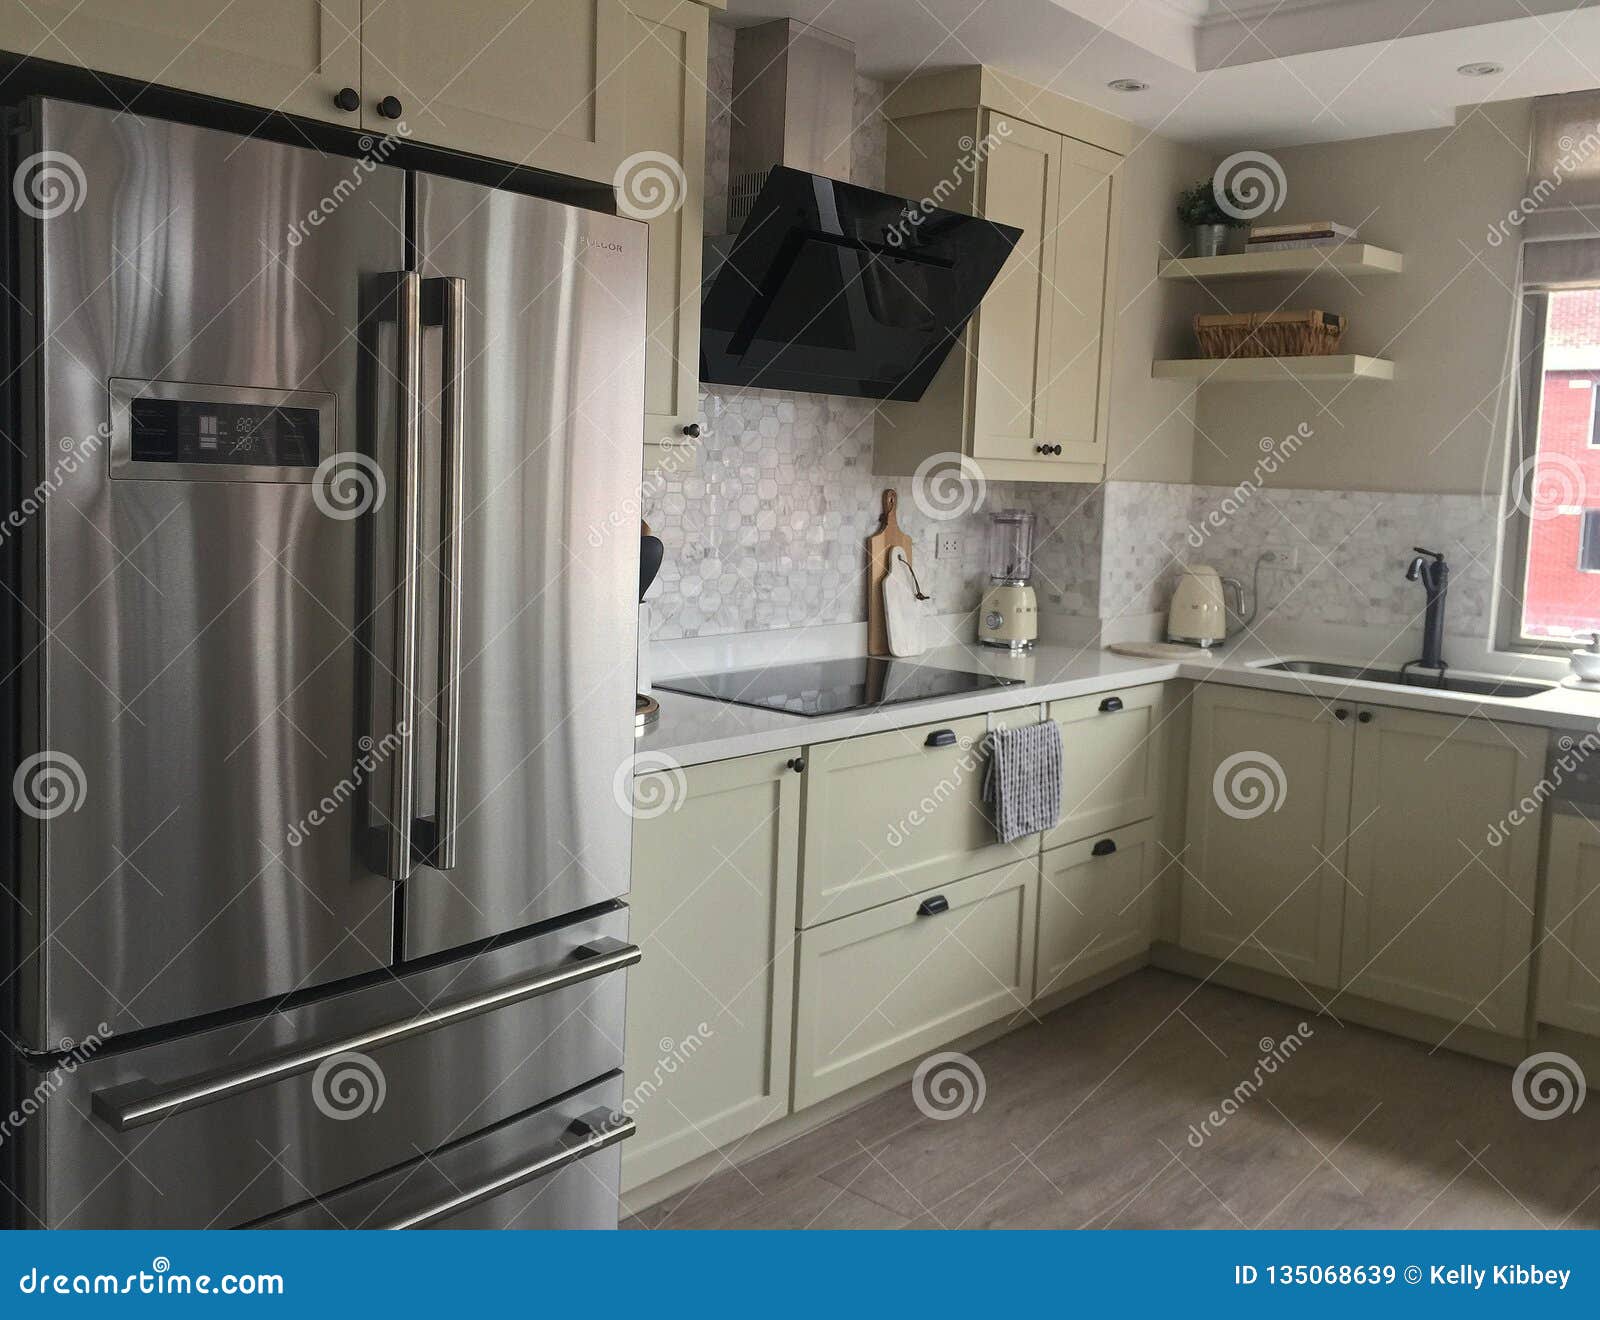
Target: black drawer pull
(932, 907)
(1111, 704)
(1104, 848)
(941, 738)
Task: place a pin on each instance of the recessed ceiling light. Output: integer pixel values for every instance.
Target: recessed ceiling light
(1482, 69)
(1128, 85)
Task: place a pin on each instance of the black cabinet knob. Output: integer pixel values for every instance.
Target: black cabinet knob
(1341, 714)
(390, 107)
(347, 99)
(1365, 717)
(931, 907)
(692, 430)
(797, 763)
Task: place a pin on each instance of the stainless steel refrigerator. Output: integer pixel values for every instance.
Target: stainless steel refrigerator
(320, 686)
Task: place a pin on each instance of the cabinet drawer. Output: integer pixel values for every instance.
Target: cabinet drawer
(892, 814)
(887, 986)
(1112, 762)
(1094, 905)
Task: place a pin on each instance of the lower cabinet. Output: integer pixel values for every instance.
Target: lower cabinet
(891, 984)
(710, 1004)
(1569, 955)
(1095, 906)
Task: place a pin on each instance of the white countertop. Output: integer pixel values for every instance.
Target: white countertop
(693, 730)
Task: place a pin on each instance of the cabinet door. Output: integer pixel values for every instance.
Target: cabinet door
(886, 986)
(534, 84)
(1078, 363)
(1012, 331)
(1113, 765)
(664, 82)
(290, 57)
(890, 814)
(710, 1004)
(1569, 957)
(1439, 917)
(1268, 823)
(1094, 906)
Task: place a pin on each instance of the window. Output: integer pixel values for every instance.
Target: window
(1556, 500)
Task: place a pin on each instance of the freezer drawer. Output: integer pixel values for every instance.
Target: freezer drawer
(554, 1167)
(225, 1126)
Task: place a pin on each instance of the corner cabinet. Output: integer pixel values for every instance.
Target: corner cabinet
(1025, 391)
(710, 1004)
(1569, 954)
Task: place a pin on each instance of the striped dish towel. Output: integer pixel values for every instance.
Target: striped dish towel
(1023, 780)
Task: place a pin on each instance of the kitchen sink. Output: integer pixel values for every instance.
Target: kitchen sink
(1477, 685)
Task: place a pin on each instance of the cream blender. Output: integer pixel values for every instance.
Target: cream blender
(1009, 613)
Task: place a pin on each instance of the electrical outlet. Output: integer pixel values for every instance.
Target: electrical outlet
(1285, 558)
(947, 546)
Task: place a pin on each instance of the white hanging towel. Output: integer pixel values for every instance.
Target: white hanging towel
(903, 612)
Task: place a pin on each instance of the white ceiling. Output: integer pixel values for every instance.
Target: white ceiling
(1232, 73)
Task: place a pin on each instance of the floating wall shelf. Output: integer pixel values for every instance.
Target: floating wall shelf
(1230, 371)
(1349, 259)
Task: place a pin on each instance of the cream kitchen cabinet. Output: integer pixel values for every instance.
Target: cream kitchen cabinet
(1095, 906)
(1438, 918)
(1569, 954)
(1268, 824)
(290, 57)
(710, 1004)
(1115, 760)
(1025, 392)
(663, 78)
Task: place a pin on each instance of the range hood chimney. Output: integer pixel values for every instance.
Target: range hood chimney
(793, 104)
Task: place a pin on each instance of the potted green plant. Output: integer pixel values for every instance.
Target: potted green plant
(1209, 216)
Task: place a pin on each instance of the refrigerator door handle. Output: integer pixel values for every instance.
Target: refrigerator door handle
(137, 1102)
(445, 306)
(408, 316)
(587, 1134)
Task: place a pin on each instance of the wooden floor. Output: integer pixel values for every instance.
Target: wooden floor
(1086, 1123)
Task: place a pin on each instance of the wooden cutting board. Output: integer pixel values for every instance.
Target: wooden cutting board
(881, 545)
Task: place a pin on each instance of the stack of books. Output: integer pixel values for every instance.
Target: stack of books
(1311, 234)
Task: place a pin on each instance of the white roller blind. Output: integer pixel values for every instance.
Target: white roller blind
(1561, 232)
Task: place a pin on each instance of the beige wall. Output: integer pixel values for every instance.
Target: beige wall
(1152, 421)
(1432, 196)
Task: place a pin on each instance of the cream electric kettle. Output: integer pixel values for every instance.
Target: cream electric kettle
(1196, 613)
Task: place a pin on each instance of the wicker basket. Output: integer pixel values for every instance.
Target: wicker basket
(1269, 334)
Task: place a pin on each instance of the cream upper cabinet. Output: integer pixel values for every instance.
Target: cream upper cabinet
(533, 84)
(1268, 824)
(1569, 955)
(1025, 392)
(710, 1004)
(663, 140)
(290, 57)
(1439, 914)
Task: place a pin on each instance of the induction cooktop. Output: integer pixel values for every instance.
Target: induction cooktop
(827, 687)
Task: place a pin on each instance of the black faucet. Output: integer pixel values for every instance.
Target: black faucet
(1429, 565)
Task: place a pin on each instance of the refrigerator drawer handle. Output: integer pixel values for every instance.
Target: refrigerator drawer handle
(138, 1102)
(587, 1134)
